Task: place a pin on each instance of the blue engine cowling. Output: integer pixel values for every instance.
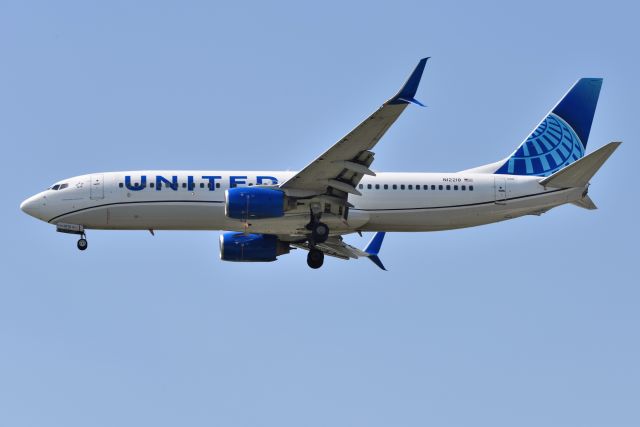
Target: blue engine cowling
(254, 203)
(242, 247)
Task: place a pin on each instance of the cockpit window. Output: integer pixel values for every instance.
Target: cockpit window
(59, 186)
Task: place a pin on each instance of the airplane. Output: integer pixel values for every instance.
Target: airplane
(266, 214)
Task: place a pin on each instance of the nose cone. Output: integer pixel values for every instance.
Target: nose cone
(33, 206)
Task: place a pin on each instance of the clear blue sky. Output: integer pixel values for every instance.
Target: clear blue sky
(530, 322)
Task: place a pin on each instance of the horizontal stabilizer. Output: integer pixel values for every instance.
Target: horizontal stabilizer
(581, 171)
(586, 203)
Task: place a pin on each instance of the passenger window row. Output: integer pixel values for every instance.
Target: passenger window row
(416, 186)
(439, 187)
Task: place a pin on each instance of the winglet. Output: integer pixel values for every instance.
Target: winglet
(407, 94)
(373, 248)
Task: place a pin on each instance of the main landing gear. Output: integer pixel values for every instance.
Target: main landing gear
(315, 258)
(319, 230)
(319, 234)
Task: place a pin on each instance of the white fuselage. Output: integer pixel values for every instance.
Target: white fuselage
(389, 202)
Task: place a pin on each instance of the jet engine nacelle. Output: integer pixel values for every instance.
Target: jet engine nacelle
(242, 247)
(254, 203)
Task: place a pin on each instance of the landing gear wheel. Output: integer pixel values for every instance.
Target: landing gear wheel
(315, 258)
(320, 232)
(82, 244)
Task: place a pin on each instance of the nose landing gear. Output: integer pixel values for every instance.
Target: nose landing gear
(82, 243)
(74, 229)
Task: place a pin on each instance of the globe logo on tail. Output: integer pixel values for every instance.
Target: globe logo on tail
(551, 147)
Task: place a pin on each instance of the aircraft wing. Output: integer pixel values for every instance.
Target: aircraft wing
(336, 247)
(338, 170)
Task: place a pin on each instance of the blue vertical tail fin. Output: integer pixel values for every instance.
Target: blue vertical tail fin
(561, 138)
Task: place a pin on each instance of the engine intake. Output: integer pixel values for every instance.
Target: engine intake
(254, 203)
(242, 247)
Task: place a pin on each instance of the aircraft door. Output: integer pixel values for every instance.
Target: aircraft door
(501, 190)
(97, 187)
